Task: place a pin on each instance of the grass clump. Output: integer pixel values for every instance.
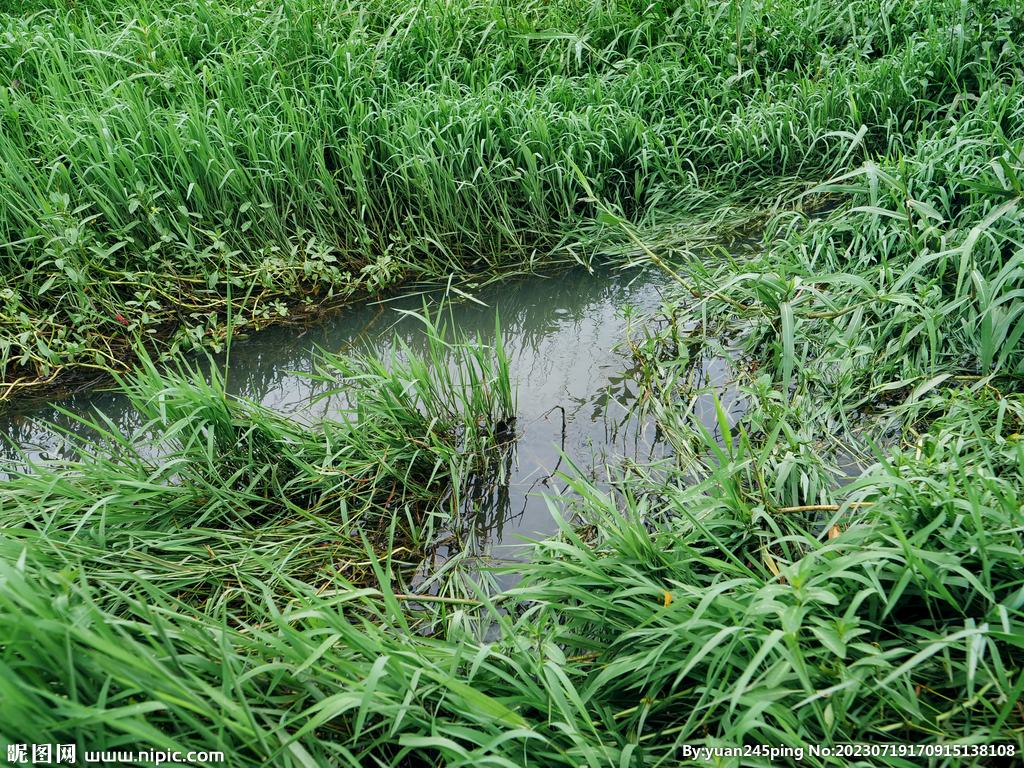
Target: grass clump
(728, 629)
(679, 622)
(207, 474)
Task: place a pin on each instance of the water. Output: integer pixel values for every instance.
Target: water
(564, 336)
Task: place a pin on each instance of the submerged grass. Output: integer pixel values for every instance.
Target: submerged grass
(232, 581)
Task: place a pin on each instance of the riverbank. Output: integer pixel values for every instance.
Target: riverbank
(164, 162)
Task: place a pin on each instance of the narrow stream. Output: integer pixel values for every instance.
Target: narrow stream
(564, 336)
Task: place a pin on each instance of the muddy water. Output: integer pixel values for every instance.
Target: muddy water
(564, 336)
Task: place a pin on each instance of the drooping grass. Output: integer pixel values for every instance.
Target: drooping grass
(155, 153)
(206, 474)
(910, 289)
(718, 627)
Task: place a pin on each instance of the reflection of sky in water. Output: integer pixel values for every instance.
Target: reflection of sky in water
(559, 334)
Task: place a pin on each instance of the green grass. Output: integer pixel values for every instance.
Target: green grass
(158, 154)
(235, 581)
(681, 618)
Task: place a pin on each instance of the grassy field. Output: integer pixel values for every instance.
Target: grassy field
(162, 160)
(246, 590)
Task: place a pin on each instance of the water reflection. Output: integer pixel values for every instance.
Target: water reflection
(575, 393)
